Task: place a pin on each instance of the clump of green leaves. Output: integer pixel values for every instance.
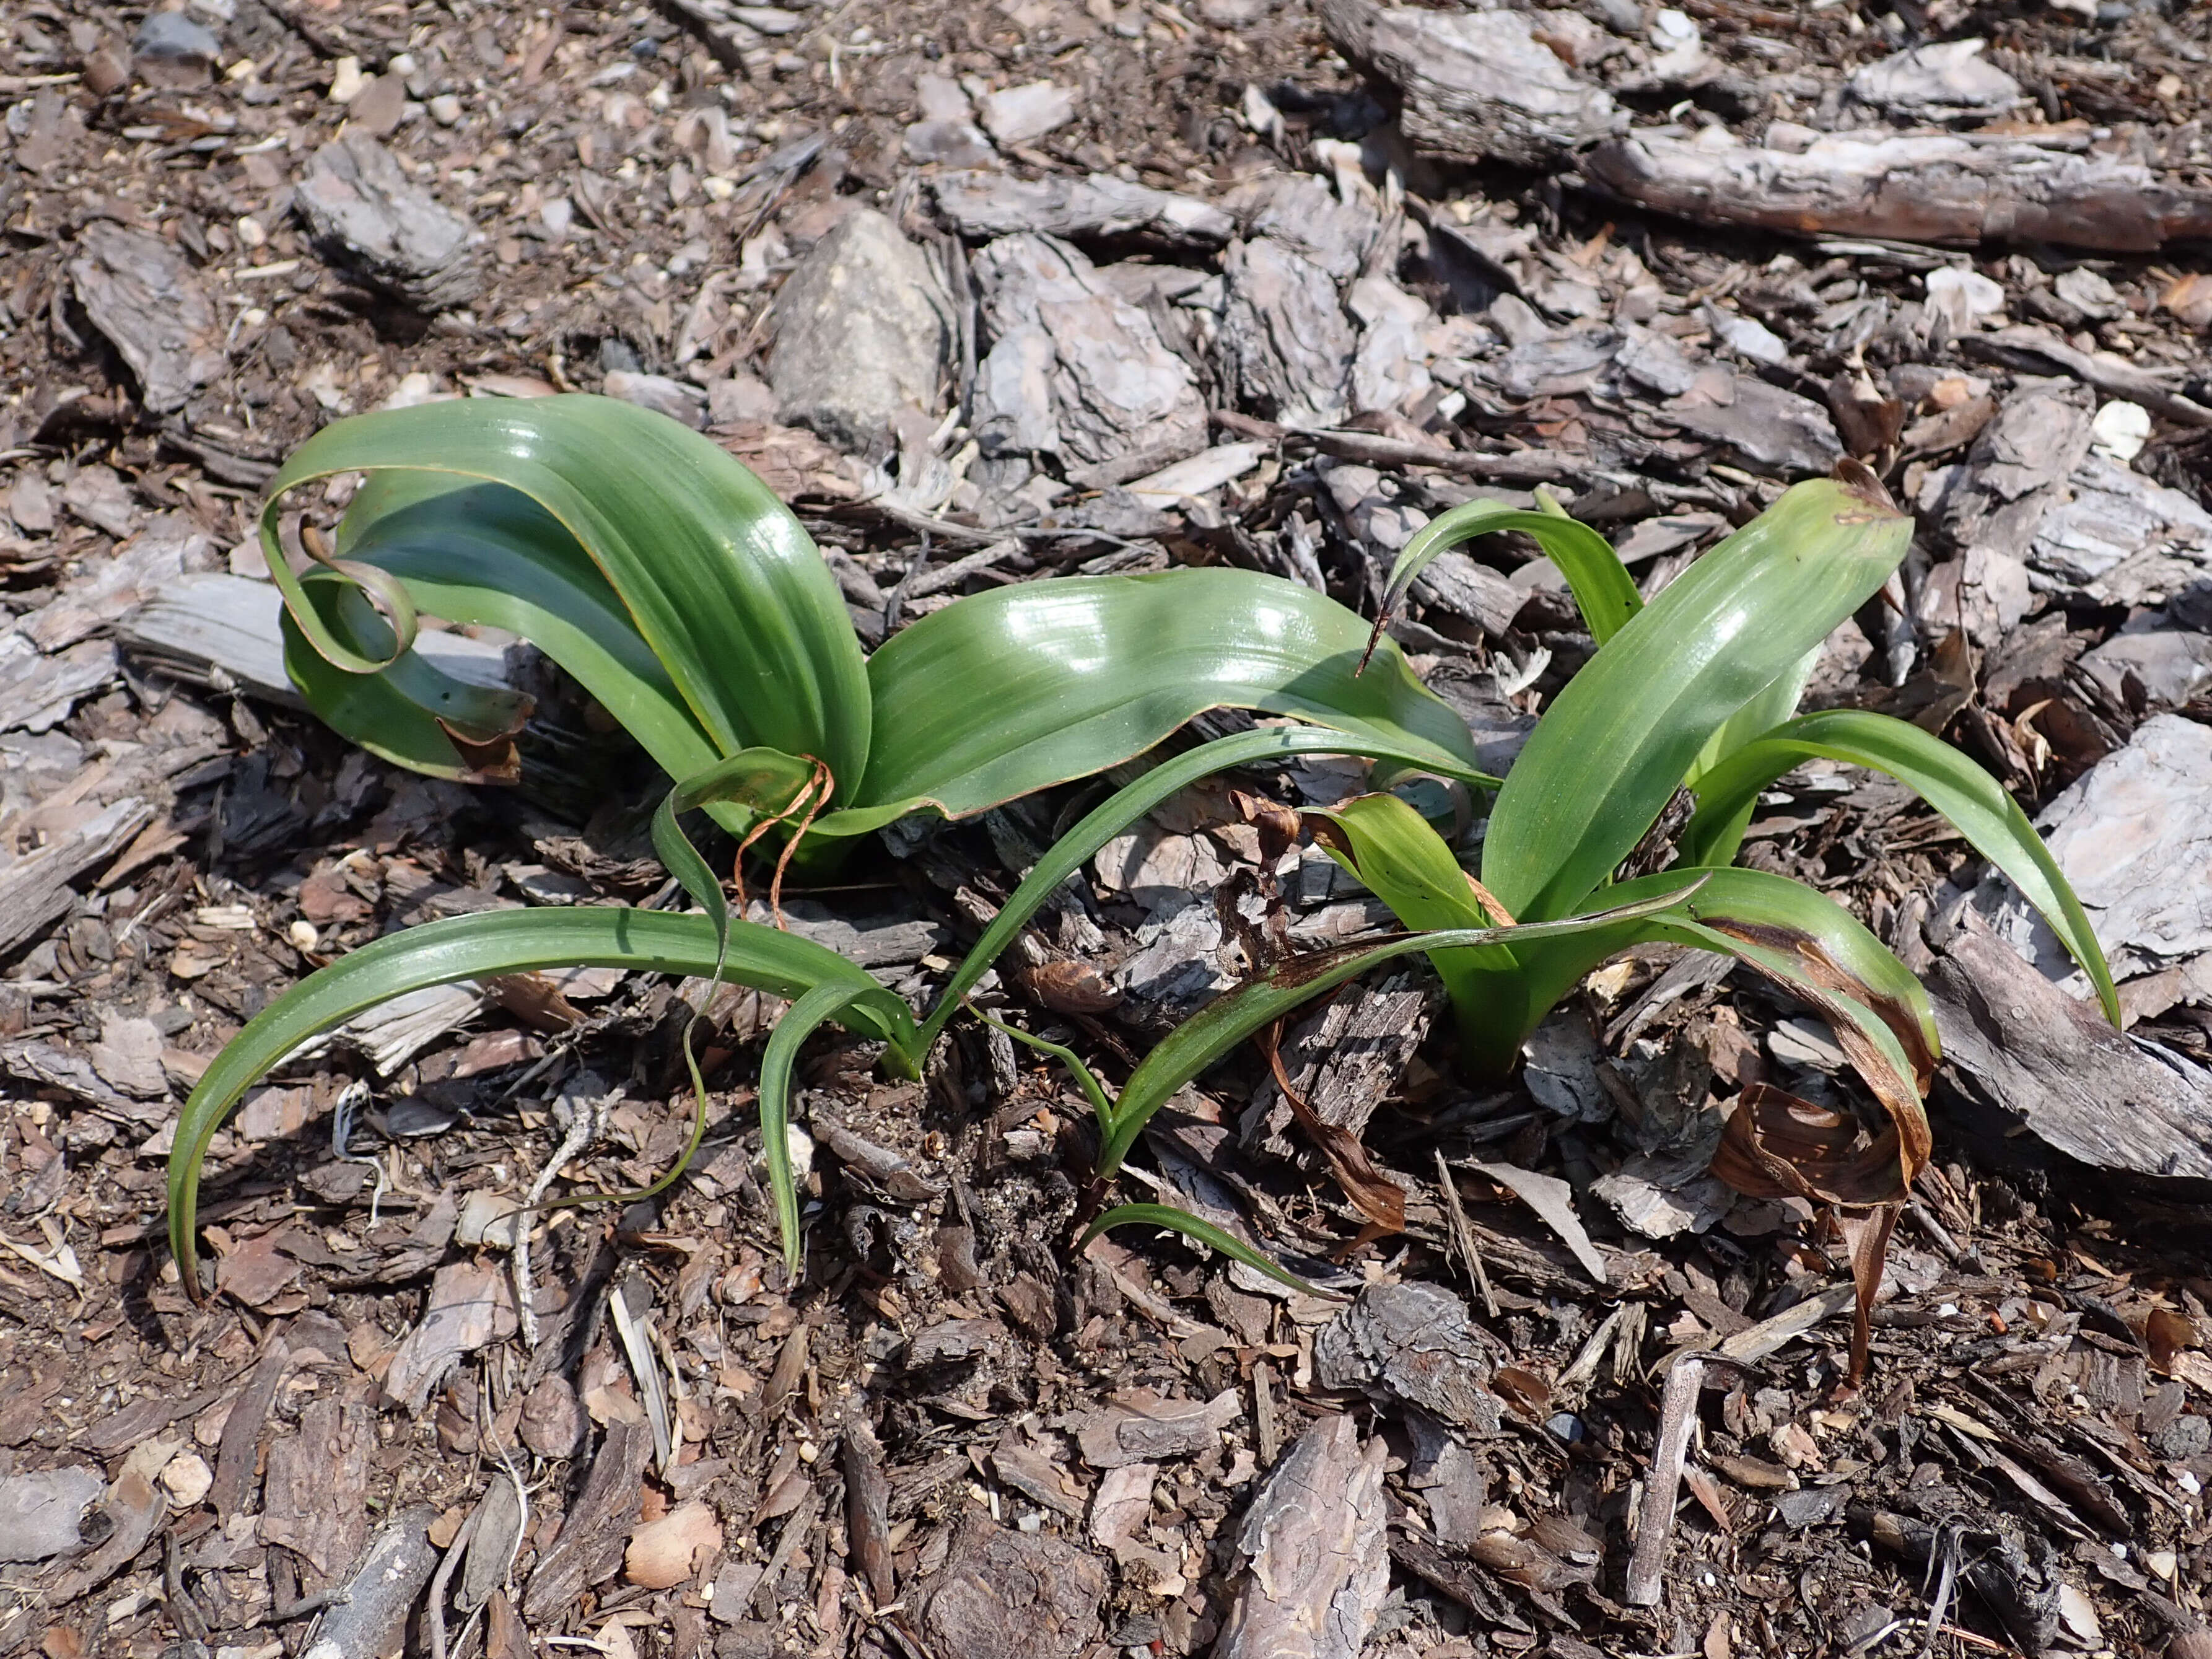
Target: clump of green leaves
(676, 589)
(1697, 690)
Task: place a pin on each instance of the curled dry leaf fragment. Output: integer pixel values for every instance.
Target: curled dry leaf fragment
(679, 1546)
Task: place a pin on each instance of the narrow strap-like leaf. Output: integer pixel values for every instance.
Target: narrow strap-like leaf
(1124, 807)
(1973, 801)
(483, 946)
(1086, 1079)
(1604, 591)
(1618, 740)
(1235, 1014)
(800, 1022)
(1204, 1232)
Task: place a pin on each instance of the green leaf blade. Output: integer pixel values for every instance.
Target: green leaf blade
(1008, 692)
(1622, 734)
(1124, 807)
(484, 946)
(1974, 802)
(1202, 1231)
(721, 583)
(1235, 1014)
(1604, 592)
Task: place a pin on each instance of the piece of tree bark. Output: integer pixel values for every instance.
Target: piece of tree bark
(368, 1619)
(2015, 1044)
(36, 889)
(1477, 85)
(1910, 188)
(1347, 1059)
(1318, 1552)
(141, 293)
(589, 1550)
(981, 205)
(366, 212)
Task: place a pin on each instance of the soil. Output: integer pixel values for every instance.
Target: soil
(717, 1455)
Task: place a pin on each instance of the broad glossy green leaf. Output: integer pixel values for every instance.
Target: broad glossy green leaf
(1773, 706)
(801, 1021)
(1201, 1231)
(483, 554)
(411, 712)
(1623, 733)
(1123, 808)
(1963, 793)
(1604, 591)
(722, 584)
(1235, 1014)
(1009, 691)
(504, 942)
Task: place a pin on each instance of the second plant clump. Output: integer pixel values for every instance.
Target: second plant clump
(691, 604)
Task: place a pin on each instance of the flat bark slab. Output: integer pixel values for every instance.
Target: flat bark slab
(141, 293)
(984, 204)
(1317, 1548)
(2017, 1045)
(1956, 192)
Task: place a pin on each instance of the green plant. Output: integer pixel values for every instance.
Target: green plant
(692, 605)
(1696, 690)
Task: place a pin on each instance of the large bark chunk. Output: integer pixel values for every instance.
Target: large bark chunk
(2017, 1046)
(1007, 1594)
(1920, 188)
(1076, 371)
(981, 204)
(365, 212)
(1477, 84)
(1284, 337)
(863, 330)
(142, 295)
(1318, 1546)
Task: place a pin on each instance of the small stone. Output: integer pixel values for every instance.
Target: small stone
(445, 109)
(346, 80)
(1023, 114)
(186, 1477)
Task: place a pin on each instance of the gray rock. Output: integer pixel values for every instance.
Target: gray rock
(2151, 666)
(365, 212)
(1075, 371)
(171, 37)
(953, 143)
(863, 330)
(38, 1512)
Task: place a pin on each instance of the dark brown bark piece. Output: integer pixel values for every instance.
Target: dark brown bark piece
(315, 1499)
(1413, 1343)
(1007, 1594)
(589, 1550)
